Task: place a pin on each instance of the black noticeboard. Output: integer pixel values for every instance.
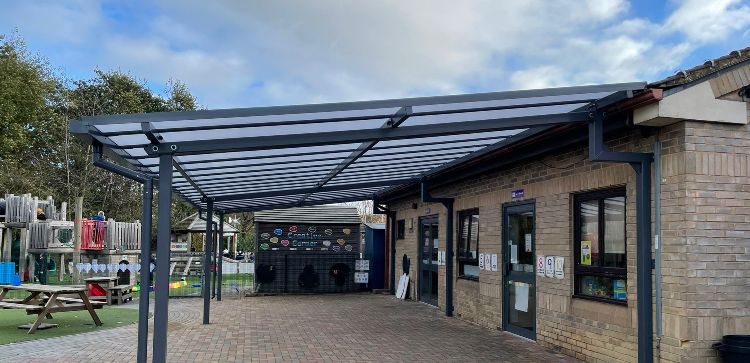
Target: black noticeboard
(333, 238)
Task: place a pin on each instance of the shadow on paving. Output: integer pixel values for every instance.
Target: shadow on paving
(324, 328)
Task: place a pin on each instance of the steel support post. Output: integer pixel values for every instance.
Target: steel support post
(448, 203)
(215, 260)
(143, 301)
(219, 269)
(161, 288)
(206, 286)
(392, 245)
(641, 163)
(643, 262)
(449, 258)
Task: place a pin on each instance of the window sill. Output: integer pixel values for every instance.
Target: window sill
(469, 278)
(601, 299)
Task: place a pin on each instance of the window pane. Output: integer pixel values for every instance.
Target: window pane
(602, 287)
(589, 252)
(614, 232)
(463, 238)
(474, 235)
(469, 269)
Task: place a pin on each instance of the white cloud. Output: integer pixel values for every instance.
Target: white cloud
(705, 21)
(152, 59)
(69, 22)
(235, 54)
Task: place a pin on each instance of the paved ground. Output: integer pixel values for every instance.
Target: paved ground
(301, 328)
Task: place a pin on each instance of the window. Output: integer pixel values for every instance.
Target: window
(599, 245)
(468, 244)
(400, 229)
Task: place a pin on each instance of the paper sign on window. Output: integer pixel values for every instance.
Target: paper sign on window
(549, 266)
(586, 253)
(481, 261)
(522, 297)
(513, 253)
(559, 262)
(527, 242)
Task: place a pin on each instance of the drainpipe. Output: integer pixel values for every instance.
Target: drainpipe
(448, 203)
(657, 240)
(641, 163)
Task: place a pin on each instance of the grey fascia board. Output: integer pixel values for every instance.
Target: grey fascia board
(353, 136)
(357, 105)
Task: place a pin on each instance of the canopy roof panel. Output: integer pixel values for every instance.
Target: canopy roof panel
(286, 156)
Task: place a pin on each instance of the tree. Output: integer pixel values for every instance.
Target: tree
(31, 95)
(38, 154)
(245, 224)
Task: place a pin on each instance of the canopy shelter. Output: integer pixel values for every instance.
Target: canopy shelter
(249, 159)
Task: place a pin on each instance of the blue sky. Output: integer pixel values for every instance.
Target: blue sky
(250, 53)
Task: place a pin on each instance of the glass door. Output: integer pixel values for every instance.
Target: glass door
(519, 279)
(428, 260)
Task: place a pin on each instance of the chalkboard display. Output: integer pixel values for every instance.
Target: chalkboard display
(308, 237)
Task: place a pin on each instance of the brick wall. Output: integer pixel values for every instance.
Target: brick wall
(710, 256)
(705, 230)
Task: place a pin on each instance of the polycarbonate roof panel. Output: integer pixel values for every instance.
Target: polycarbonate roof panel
(281, 156)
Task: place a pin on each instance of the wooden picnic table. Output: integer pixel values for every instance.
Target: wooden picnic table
(105, 282)
(55, 303)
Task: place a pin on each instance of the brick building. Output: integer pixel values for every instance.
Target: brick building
(543, 196)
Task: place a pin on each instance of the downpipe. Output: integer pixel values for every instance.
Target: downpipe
(641, 163)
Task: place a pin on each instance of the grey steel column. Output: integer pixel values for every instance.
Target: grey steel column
(215, 255)
(148, 194)
(449, 259)
(394, 225)
(161, 288)
(644, 262)
(641, 163)
(207, 260)
(219, 270)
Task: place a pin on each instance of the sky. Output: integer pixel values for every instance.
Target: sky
(257, 53)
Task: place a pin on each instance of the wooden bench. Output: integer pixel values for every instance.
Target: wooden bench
(121, 293)
(70, 300)
(71, 304)
(12, 305)
(56, 301)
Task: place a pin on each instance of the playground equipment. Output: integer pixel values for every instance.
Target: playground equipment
(31, 239)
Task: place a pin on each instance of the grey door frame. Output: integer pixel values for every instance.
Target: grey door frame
(429, 219)
(525, 205)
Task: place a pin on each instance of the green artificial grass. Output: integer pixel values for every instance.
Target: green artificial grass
(72, 322)
(229, 281)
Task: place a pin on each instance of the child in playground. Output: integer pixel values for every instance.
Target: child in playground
(99, 216)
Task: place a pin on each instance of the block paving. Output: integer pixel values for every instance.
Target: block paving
(299, 328)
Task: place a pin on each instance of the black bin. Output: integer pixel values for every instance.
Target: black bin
(734, 348)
